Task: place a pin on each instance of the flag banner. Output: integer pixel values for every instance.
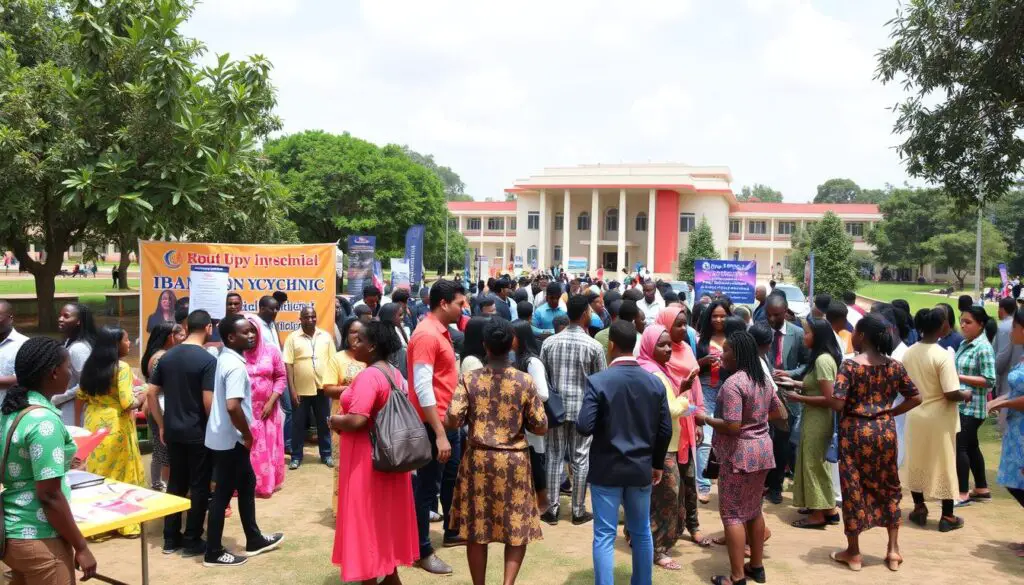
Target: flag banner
(414, 252)
(361, 250)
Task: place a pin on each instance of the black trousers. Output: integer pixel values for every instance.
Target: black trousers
(969, 460)
(782, 450)
(191, 466)
(1018, 494)
(317, 407)
(233, 472)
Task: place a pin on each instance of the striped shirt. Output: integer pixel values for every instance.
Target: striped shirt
(976, 358)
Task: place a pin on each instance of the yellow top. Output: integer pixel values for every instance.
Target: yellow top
(309, 357)
(677, 407)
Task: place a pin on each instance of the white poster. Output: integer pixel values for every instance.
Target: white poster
(399, 274)
(339, 262)
(208, 289)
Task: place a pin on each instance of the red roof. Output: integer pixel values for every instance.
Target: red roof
(838, 208)
(481, 205)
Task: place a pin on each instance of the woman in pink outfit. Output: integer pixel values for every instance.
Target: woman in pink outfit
(269, 379)
(376, 525)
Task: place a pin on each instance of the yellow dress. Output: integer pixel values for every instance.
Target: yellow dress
(341, 370)
(932, 426)
(118, 456)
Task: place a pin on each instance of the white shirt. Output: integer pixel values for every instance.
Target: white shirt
(535, 368)
(230, 381)
(269, 333)
(651, 309)
(8, 350)
(852, 317)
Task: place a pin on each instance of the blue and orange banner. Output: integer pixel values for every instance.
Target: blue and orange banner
(305, 272)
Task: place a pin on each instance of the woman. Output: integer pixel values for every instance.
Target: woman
(863, 394)
(667, 506)
(681, 366)
(341, 370)
(75, 321)
(709, 358)
(491, 501)
(976, 366)
(43, 541)
(391, 314)
(691, 333)
(106, 388)
(164, 310)
(473, 352)
(932, 427)
(812, 475)
(950, 338)
(1011, 466)
(527, 352)
(744, 450)
(268, 380)
(161, 338)
(376, 527)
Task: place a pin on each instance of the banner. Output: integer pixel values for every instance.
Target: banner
(399, 274)
(517, 264)
(483, 268)
(360, 262)
(305, 272)
(378, 275)
(810, 281)
(467, 275)
(733, 278)
(576, 264)
(414, 252)
(1003, 275)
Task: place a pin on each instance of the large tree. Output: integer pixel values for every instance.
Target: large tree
(835, 264)
(956, 250)
(454, 188)
(1007, 215)
(838, 191)
(700, 246)
(110, 130)
(341, 186)
(910, 217)
(759, 192)
(962, 64)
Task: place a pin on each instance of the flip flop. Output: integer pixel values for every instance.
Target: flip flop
(704, 542)
(854, 565)
(804, 523)
(668, 563)
(757, 574)
(719, 540)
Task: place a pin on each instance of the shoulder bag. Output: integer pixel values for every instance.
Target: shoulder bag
(398, 438)
(3, 468)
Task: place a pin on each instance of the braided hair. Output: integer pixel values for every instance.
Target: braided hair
(744, 348)
(875, 330)
(36, 358)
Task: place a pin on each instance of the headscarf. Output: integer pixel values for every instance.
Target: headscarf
(261, 356)
(646, 356)
(679, 367)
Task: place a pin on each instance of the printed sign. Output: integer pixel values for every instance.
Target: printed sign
(517, 263)
(399, 274)
(208, 287)
(733, 278)
(414, 253)
(576, 264)
(361, 251)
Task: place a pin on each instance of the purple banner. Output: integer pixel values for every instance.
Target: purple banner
(733, 278)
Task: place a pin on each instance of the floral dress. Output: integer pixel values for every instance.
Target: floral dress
(1011, 466)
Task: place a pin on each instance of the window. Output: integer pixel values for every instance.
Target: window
(940, 269)
(531, 255)
(474, 224)
(641, 222)
(757, 227)
(495, 223)
(611, 220)
(511, 224)
(786, 228)
(533, 220)
(453, 223)
(583, 222)
(735, 226)
(687, 221)
(497, 253)
(559, 222)
(855, 229)
(557, 254)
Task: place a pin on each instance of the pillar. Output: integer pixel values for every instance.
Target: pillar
(542, 257)
(504, 246)
(566, 218)
(650, 229)
(622, 231)
(594, 229)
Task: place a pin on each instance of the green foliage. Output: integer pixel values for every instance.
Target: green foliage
(957, 249)
(838, 191)
(700, 246)
(835, 264)
(762, 193)
(961, 63)
(341, 185)
(911, 216)
(1007, 215)
(454, 188)
(433, 254)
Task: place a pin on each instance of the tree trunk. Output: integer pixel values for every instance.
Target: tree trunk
(122, 269)
(45, 289)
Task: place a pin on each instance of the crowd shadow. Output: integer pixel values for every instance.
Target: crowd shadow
(1003, 559)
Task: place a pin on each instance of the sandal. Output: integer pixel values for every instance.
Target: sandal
(919, 516)
(703, 542)
(893, 561)
(704, 498)
(668, 563)
(854, 565)
(976, 497)
(755, 573)
(804, 523)
(804, 511)
(719, 540)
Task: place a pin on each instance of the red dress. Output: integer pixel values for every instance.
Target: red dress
(376, 526)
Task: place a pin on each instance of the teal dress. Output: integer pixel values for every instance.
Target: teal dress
(1011, 464)
(812, 476)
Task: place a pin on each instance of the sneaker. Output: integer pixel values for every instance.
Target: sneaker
(550, 517)
(435, 517)
(582, 518)
(194, 550)
(270, 542)
(328, 461)
(295, 463)
(159, 487)
(170, 548)
(225, 559)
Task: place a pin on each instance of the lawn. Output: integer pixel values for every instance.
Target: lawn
(915, 294)
(64, 285)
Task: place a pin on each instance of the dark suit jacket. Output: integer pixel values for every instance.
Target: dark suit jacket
(626, 410)
(502, 307)
(794, 355)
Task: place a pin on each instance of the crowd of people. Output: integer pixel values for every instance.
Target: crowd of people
(527, 390)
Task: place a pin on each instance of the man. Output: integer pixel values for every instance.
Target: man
(629, 312)
(1007, 354)
(186, 376)
(600, 318)
(625, 410)
(486, 307)
(232, 306)
(432, 369)
(505, 307)
(789, 358)
(372, 299)
(181, 311)
(10, 343)
(651, 304)
(544, 316)
(836, 315)
(760, 294)
(570, 357)
(854, 313)
(230, 440)
(306, 355)
(602, 336)
(422, 307)
(540, 290)
(819, 307)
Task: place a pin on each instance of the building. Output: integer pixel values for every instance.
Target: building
(613, 216)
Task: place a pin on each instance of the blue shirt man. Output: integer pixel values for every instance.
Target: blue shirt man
(544, 316)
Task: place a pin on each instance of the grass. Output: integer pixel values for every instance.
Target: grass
(78, 286)
(915, 294)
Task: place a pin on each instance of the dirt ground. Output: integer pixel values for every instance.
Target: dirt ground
(977, 553)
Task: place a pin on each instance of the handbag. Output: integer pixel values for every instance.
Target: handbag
(398, 438)
(713, 467)
(554, 408)
(832, 453)
(3, 467)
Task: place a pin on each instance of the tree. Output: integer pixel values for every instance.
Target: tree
(341, 185)
(760, 192)
(454, 188)
(956, 250)
(910, 217)
(433, 257)
(1007, 215)
(961, 63)
(835, 264)
(838, 191)
(700, 246)
(110, 130)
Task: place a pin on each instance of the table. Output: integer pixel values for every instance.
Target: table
(113, 504)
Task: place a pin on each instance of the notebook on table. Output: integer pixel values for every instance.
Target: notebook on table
(82, 479)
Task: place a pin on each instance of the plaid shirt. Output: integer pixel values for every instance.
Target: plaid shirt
(570, 357)
(976, 358)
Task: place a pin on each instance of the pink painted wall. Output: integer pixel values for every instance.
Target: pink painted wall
(666, 231)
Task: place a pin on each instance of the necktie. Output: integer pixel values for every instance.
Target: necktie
(778, 349)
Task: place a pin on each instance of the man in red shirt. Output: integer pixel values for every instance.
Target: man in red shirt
(434, 374)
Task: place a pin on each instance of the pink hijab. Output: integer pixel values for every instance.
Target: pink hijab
(646, 356)
(265, 366)
(679, 367)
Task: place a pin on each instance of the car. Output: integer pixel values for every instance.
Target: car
(797, 301)
(683, 287)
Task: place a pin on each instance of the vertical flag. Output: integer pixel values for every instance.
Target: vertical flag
(414, 252)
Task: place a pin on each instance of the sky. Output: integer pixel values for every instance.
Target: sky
(780, 91)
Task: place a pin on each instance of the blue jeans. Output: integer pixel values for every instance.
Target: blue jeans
(636, 501)
(710, 396)
(430, 479)
(286, 406)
